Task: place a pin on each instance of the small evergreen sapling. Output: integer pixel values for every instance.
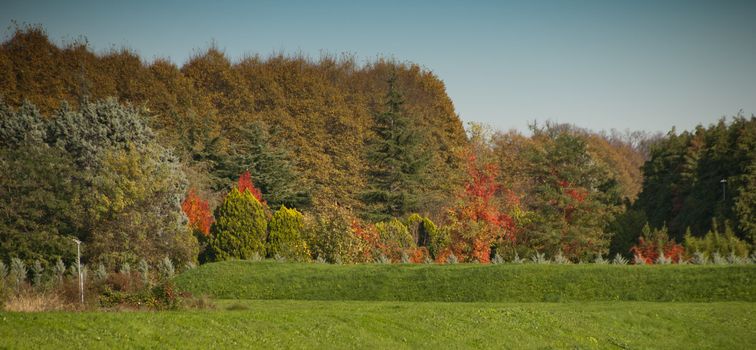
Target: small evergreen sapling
(736, 259)
(517, 259)
(166, 270)
(3, 273)
(560, 259)
(540, 258)
(37, 271)
(382, 259)
(619, 260)
(663, 260)
(405, 258)
(452, 259)
(144, 271)
(699, 258)
(126, 269)
(18, 271)
(100, 273)
(717, 259)
(59, 269)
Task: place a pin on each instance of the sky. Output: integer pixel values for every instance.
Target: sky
(625, 65)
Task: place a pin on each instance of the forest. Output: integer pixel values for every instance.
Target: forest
(291, 158)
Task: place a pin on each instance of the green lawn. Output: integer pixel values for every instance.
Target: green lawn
(472, 282)
(275, 305)
(391, 325)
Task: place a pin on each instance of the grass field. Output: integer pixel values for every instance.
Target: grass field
(472, 282)
(356, 307)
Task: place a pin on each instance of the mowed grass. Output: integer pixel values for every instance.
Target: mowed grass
(271, 305)
(471, 282)
(273, 324)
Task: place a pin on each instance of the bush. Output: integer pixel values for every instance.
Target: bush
(166, 269)
(240, 228)
(330, 236)
(101, 273)
(395, 237)
(722, 243)
(540, 258)
(619, 260)
(285, 237)
(654, 243)
(17, 272)
(60, 270)
(37, 273)
(144, 271)
(160, 297)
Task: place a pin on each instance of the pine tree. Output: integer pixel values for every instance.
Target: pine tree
(240, 228)
(396, 162)
(271, 167)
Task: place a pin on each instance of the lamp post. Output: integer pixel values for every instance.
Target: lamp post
(78, 263)
(724, 189)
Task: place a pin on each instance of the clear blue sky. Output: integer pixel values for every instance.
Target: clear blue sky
(641, 65)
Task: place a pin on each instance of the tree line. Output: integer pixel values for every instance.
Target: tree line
(291, 158)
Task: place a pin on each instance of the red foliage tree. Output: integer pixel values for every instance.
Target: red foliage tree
(654, 242)
(198, 212)
(245, 183)
(479, 210)
(370, 239)
(578, 195)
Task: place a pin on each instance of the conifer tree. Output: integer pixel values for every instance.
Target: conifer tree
(240, 228)
(286, 238)
(396, 162)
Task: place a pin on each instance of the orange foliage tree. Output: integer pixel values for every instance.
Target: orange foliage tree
(245, 183)
(652, 243)
(198, 212)
(477, 222)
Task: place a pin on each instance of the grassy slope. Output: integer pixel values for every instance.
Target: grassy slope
(360, 324)
(470, 282)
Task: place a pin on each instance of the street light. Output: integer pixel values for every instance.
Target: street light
(78, 263)
(724, 189)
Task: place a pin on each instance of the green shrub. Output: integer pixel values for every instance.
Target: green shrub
(619, 260)
(240, 228)
(37, 273)
(59, 269)
(144, 271)
(714, 241)
(330, 237)
(395, 236)
(166, 269)
(100, 273)
(18, 272)
(286, 237)
(436, 240)
(161, 297)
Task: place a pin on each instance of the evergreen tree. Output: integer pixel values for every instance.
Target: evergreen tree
(271, 167)
(286, 237)
(396, 162)
(694, 177)
(573, 197)
(239, 230)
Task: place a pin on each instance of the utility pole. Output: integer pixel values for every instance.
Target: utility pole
(78, 263)
(724, 189)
